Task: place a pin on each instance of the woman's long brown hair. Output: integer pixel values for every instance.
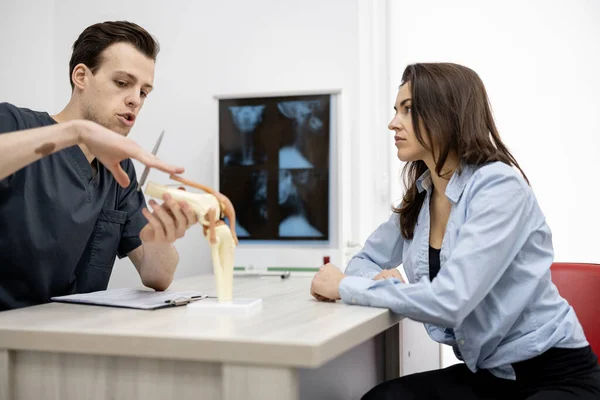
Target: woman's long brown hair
(451, 103)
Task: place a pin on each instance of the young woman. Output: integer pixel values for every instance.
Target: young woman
(477, 253)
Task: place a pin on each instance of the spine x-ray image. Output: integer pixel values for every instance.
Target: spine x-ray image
(295, 189)
(306, 122)
(247, 190)
(245, 119)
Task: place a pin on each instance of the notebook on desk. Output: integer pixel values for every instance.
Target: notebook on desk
(132, 298)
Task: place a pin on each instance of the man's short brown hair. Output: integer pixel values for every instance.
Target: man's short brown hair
(96, 38)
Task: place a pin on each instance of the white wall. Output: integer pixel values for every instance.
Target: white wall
(26, 53)
(539, 61)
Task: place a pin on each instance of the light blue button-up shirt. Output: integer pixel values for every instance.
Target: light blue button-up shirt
(493, 299)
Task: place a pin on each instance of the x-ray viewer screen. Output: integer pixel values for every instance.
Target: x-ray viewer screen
(274, 165)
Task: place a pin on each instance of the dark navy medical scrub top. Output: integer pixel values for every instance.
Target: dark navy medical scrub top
(61, 227)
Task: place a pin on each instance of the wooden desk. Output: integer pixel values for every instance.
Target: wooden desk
(67, 351)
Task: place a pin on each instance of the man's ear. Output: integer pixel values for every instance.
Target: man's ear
(79, 75)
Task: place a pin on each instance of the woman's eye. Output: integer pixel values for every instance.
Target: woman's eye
(121, 83)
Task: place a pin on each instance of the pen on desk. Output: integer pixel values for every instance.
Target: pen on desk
(282, 275)
(185, 300)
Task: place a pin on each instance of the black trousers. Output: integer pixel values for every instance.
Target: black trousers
(556, 374)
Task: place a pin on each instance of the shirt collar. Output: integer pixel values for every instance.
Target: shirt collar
(455, 187)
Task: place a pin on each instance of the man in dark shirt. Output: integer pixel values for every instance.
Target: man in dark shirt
(68, 198)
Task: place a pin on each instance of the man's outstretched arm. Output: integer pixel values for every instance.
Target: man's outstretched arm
(21, 148)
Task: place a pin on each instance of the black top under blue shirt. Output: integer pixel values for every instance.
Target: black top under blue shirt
(61, 226)
(434, 262)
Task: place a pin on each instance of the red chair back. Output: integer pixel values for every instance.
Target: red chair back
(579, 284)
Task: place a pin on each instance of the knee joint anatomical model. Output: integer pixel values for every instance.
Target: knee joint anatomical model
(210, 208)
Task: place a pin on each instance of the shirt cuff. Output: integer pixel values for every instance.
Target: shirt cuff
(352, 289)
(127, 245)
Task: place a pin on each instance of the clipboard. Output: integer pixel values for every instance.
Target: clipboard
(139, 299)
